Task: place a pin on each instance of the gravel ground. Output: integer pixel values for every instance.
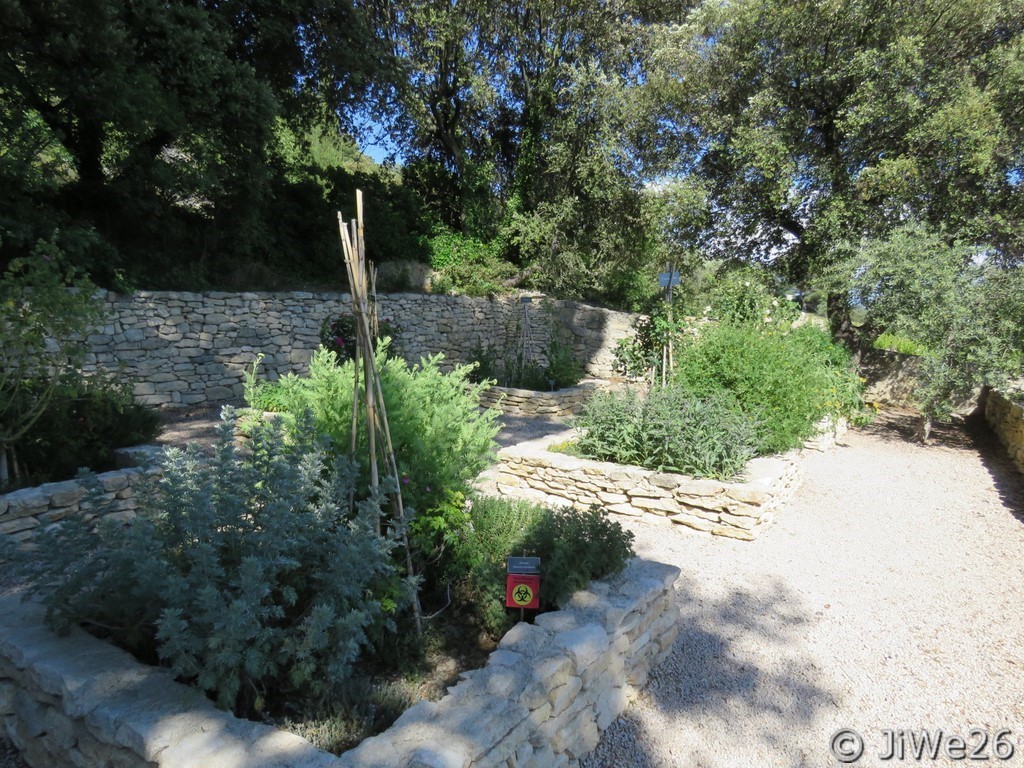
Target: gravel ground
(888, 596)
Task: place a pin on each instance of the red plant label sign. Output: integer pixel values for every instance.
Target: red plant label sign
(522, 591)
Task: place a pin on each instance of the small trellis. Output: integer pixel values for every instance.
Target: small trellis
(361, 282)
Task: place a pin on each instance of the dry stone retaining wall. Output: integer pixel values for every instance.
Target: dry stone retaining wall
(1007, 420)
(737, 510)
(25, 511)
(187, 348)
(542, 700)
(528, 403)
(550, 689)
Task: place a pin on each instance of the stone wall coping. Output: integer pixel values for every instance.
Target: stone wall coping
(542, 699)
(739, 509)
(587, 385)
(142, 709)
(760, 471)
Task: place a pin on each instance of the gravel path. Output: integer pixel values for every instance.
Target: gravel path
(888, 596)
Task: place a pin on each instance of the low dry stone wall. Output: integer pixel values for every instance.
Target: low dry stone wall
(737, 510)
(24, 512)
(550, 689)
(1007, 420)
(528, 403)
(188, 348)
(542, 700)
(77, 701)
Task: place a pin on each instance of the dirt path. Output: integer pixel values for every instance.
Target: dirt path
(889, 596)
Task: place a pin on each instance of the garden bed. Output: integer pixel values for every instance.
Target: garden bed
(25, 510)
(542, 700)
(530, 403)
(739, 510)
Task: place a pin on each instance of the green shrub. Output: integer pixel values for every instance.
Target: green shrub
(785, 381)
(561, 370)
(575, 547)
(468, 266)
(901, 344)
(669, 430)
(246, 574)
(442, 439)
(84, 420)
(744, 296)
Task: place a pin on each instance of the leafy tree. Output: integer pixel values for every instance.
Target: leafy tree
(815, 121)
(516, 119)
(151, 137)
(957, 301)
(43, 325)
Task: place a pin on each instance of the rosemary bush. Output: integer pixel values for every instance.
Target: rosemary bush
(575, 547)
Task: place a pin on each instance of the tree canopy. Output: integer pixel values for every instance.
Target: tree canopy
(579, 145)
(817, 122)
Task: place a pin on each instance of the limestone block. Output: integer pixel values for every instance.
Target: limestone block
(7, 691)
(561, 697)
(19, 527)
(26, 501)
(583, 644)
(739, 521)
(553, 672)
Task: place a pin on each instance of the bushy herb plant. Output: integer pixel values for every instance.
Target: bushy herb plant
(575, 547)
(668, 430)
(246, 574)
(561, 368)
(442, 438)
(786, 381)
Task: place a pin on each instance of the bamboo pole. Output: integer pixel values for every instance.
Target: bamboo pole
(354, 248)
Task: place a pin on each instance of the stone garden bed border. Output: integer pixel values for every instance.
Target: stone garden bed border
(542, 700)
(529, 403)
(739, 510)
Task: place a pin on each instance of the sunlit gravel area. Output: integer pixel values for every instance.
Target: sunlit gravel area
(889, 596)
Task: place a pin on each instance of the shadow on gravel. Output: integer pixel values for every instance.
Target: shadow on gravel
(902, 426)
(716, 678)
(1008, 480)
(517, 429)
(969, 434)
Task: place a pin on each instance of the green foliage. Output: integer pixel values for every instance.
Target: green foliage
(362, 708)
(901, 344)
(442, 439)
(246, 572)
(83, 422)
(560, 370)
(46, 311)
(964, 310)
(468, 266)
(786, 382)
(812, 121)
(574, 547)
(743, 295)
(338, 335)
(669, 430)
(637, 354)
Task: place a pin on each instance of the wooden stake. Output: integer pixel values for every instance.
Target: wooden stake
(354, 248)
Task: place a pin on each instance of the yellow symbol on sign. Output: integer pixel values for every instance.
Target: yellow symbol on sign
(522, 595)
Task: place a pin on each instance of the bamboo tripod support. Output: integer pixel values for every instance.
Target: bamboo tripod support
(378, 432)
